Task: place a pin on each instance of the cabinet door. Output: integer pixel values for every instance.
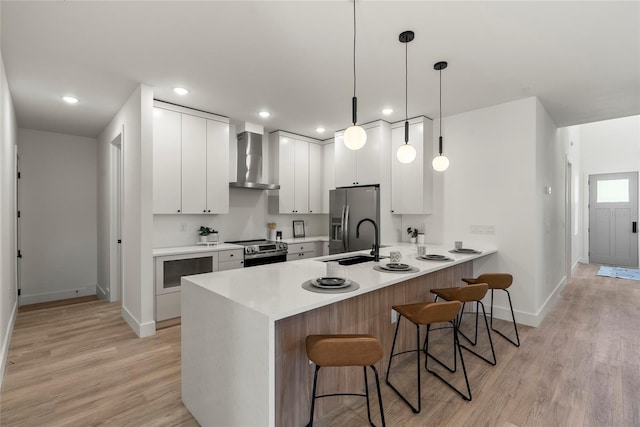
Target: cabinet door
(369, 157)
(301, 177)
(408, 190)
(345, 164)
(328, 174)
(217, 167)
(166, 162)
(315, 178)
(286, 159)
(194, 164)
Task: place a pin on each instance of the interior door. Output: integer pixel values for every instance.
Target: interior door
(613, 219)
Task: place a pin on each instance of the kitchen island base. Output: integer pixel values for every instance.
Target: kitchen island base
(240, 368)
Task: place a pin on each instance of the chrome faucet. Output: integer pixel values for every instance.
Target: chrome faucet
(376, 238)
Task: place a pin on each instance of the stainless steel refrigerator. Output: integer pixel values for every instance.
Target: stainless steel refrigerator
(348, 206)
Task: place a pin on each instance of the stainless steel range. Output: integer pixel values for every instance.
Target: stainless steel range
(261, 251)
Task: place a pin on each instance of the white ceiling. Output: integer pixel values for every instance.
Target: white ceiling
(294, 59)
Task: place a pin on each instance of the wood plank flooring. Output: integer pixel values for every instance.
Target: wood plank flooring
(81, 365)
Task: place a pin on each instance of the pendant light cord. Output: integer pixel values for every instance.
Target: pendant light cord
(354, 48)
(406, 82)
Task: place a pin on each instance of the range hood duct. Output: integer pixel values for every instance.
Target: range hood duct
(250, 163)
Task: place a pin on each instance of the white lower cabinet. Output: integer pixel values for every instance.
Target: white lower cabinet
(169, 269)
(298, 251)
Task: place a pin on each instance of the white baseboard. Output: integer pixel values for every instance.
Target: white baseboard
(57, 295)
(102, 293)
(4, 355)
(142, 330)
(525, 318)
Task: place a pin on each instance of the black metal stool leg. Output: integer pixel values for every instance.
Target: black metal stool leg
(418, 351)
(375, 371)
(366, 388)
(475, 338)
(313, 396)
(493, 353)
(456, 346)
(513, 319)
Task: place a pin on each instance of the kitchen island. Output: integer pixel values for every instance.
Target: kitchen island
(243, 331)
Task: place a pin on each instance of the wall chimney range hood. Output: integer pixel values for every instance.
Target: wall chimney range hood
(250, 163)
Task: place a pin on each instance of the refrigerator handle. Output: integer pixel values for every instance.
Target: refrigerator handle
(345, 227)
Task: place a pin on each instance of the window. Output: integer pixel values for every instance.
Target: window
(613, 191)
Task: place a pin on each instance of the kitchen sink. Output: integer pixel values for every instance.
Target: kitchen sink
(353, 259)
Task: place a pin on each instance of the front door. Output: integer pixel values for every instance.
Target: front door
(613, 219)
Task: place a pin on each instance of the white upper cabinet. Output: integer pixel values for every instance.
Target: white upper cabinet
(315, 178)
(412, 184)
(217, 167)
(297, 164)
(190, 161)
(167, 155)
(328, 174)
(194, 164)
(364, 166)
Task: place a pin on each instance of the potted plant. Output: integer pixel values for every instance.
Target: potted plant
(213, 235)
(413, 234)
(204, 233)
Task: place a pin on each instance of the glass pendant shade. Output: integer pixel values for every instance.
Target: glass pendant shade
(406, 153)
(355, 137)
(440, 163)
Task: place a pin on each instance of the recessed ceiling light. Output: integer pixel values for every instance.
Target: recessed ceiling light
(180, 90)
(320, 130)
(70, 99)
(264, 114)
(387, 111)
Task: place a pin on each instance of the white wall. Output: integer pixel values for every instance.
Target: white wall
(8, 267)
(134, 121)
(606, 147)
(58, 206)
(501, 159)
(569, 138)
(549, 228)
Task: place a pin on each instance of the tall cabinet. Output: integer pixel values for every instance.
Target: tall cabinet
(412, 184)
(296, 162)
(190, 158)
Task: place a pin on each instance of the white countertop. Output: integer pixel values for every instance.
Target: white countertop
(275, 290)
(211, 247)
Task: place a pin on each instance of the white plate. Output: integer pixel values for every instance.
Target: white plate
(395, 267)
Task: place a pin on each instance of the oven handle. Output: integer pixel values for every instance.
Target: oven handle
(265, 255)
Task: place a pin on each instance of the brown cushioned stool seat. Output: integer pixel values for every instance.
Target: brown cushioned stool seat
(498, 281)
(345, 350)
(469, 294)
(428, 313)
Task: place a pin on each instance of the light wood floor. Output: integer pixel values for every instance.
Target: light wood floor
(81, 365)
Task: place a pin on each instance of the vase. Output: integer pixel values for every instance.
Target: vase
(412, 239)
(204, 239)
(420, 238)
(213, 237)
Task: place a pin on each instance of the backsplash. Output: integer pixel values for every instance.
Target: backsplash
(247, 219)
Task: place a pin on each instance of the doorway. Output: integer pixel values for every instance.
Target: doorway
(568, 248)
(115, 220)
(613, 219)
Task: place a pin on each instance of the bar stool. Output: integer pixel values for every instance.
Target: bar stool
(345, 350)
(428, 313)
(499, 281)
(465, 294)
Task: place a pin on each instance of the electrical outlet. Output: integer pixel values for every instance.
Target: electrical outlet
(489, 229)
(476, 229)
(394, 316)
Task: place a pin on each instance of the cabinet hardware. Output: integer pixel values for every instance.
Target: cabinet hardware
(178, 210)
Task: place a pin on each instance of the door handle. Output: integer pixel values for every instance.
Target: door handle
(634, 227)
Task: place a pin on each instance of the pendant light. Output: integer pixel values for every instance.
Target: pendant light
(355, 136)
(440, 163)
(406, 152)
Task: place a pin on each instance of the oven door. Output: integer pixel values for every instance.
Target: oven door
(169, 269)
(268, 259)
